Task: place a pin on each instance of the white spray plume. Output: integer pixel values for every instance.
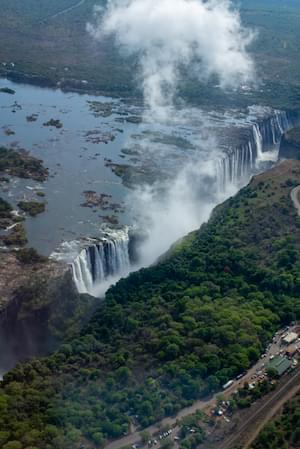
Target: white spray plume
(171, 210)
(168, 35)
(171, 38)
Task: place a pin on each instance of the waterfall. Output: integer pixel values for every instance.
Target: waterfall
(102, 260)
(261, 145)
(98, 263)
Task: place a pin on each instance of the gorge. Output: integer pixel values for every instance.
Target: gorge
(102, 262)
(150, 245)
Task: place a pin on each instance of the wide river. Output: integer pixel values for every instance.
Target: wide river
(75, 163)
(92, 133)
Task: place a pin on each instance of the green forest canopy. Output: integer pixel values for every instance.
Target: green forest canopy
(171, 333)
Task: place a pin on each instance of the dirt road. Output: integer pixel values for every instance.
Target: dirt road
(65, 11)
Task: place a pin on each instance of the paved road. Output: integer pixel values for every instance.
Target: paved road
(251, 376)
(295, 198)
(248, 431)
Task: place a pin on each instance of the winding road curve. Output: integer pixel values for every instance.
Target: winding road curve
(295, 198)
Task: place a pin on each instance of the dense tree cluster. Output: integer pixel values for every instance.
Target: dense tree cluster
(21, 164)
(171, 333)
(247, 396)
(33, 208)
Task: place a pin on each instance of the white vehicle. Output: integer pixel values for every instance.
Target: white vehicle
(228, 384)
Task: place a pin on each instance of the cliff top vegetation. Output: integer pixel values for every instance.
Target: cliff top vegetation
(171, 333)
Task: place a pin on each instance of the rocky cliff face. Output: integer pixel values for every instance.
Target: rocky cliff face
(39, 308)
(290, 144)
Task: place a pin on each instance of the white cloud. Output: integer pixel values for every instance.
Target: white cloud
(169, 34)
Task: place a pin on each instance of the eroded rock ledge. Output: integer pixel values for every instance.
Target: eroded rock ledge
(39, 307)
(290, 144)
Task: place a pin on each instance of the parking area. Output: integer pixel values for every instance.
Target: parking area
(282, 355)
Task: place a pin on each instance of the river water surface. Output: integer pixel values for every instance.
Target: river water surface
(79, 153)
(75, 165)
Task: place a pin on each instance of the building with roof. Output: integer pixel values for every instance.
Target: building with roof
(280, 364)
(290, 337)
(291, 350)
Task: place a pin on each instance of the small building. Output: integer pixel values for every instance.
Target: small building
(291, 350)
(290, 337)
(280, 364)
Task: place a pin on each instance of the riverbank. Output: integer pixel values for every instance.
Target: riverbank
(71, 85)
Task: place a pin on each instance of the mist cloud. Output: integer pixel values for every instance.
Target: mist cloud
(168, 35)
(202, 37)
(182, 207)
